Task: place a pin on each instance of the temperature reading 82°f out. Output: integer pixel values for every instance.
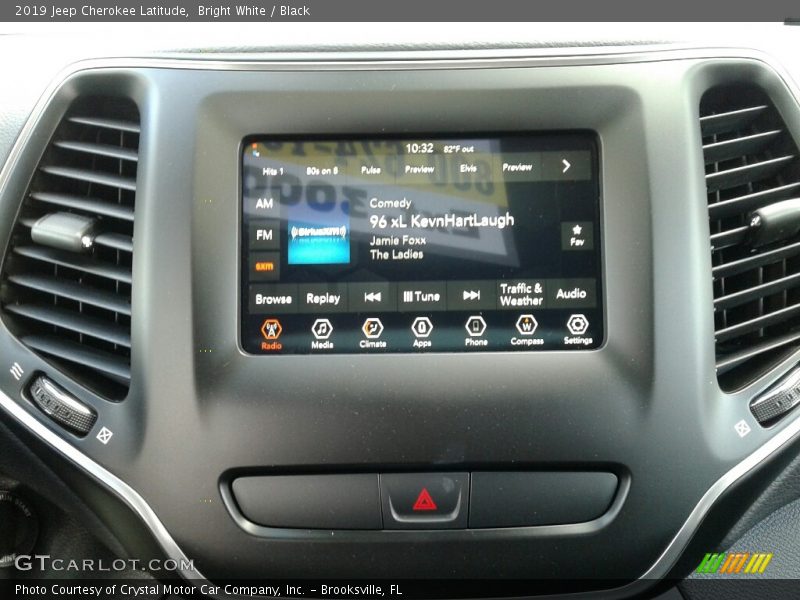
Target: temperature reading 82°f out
(456, 148)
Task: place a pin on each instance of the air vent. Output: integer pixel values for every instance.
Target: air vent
(67, 276)
(753, 184)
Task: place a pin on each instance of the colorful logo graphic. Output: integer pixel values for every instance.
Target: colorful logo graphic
(311, 244)
(734, 562)
(318, 228)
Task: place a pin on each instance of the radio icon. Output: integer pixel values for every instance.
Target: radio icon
(372, 328)
(271, 329)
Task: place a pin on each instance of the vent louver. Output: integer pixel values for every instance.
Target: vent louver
(752, 171)
(72, 304)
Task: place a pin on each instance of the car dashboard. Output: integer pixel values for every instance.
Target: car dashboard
(524, 313)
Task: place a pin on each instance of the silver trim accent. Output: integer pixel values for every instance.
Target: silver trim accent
(786, 393)
(400, 60)
(63, 397)
(675, 547)
(125, 492)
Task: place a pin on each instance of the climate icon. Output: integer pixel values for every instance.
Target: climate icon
(372, 328)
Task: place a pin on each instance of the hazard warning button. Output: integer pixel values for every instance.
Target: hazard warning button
(425, 500)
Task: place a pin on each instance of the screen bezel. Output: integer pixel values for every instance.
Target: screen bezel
(589, 137)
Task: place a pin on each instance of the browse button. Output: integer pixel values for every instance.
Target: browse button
(425, 500)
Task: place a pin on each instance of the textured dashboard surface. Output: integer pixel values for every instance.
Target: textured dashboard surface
(42, 51)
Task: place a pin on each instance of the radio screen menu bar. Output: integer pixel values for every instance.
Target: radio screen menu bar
(484, 244)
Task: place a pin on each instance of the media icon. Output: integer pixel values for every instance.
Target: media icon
(422, 327)
(527, 324)
(322, 329)
(470, 295)
(373, 296)
(372, 328)
(475, 326)
(271, 329)
(577, 324)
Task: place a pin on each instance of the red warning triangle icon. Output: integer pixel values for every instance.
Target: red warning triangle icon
(424, 501)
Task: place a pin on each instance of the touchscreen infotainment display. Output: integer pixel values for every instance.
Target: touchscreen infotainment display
(473, 244)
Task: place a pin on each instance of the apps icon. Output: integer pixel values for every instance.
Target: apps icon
(422, 327)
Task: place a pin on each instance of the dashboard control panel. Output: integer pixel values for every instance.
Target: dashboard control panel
(429, 500)
(425, 244)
